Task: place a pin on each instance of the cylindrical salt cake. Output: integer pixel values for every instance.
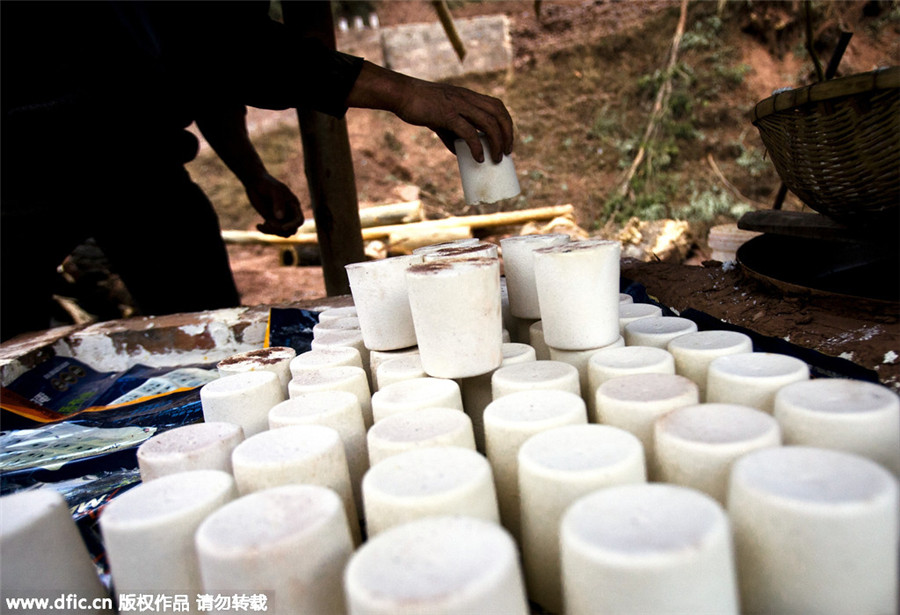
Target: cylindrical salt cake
(399, 368)
(336, 356)
(616, 361)
(536, 340)
(629, 312)
(416, 393)
(198, 446)
(815, 531)
(697, 445)
(848, 415)
(647, 548)
(148, 531)
(518, 265)
(347, 378)
(556, 467)
(657, 331)
(693, 352)
(508, 422)
(482, 249)
(752, 378)
(487, 181)
(290, 543)
(274, 359)
(436, 480)
(420, 428)
(457, 316)
(446, 565)
(382, 301)
(243, 399)
(578, 289)
(44, 555)
(535, 375)
(351, 338)
(579, 360)
(333, 313)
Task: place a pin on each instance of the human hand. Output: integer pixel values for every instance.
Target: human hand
(278, 206)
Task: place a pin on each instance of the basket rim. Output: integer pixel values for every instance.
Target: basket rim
(880, 79)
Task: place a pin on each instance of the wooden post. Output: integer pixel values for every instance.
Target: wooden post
(328, 162)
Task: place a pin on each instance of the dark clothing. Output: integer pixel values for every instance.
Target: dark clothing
(95, 100)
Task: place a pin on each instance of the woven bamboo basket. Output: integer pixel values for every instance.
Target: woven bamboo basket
(836, 145)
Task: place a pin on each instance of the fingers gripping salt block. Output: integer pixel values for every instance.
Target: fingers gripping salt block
(535, 375)
(43, 552)
(446, 565)
(488, 181)
(647, 548)
(420, 428)
(815, 531)
(149, 531)
(556, 467)
(629, 312)
(346, 378)
(308, 454)
(437, 480)
(275, 359)
(752, 378)
(848, 415)
(518, 265)
(697, 445)
(382, 301)
(200, 446)
(635, 402)
(657, 331)
(457, 316)
(290, 542)
(578, 291)
(339, 410)
(416, 393)
(508, 422)
(693, 352)
(243, 399)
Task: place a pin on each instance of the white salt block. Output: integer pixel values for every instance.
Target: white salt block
(414, 394)
(351, 338)
(399, 368)
(346, 378)
(44, 555)
(377, 357)
(815, 531)
(148, 531)
(482, 249)
(243, 399)
(382, 301)
(693, 352)
(610, 363)
(556, 467)
(579, 360)
(457, 316)
(647, 548)
(625, 298)
(435, 480)
(697, 445)
(535, 375)
(848, 415)
(657, 331)
(337, 356)
(578, 289)
(334, 313)
(421, 428)
(508, 422)
(296, 454)
(488, 181)
(348, 323)
(339, 410)
(536, 340)
(629, 312)
(725, 239)
(275, 359)
(518, 265)
(477, 391)
(200, 446)
(446, 565)
(752, 378)
(455, 243)
(290, 543)
(635, 402)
